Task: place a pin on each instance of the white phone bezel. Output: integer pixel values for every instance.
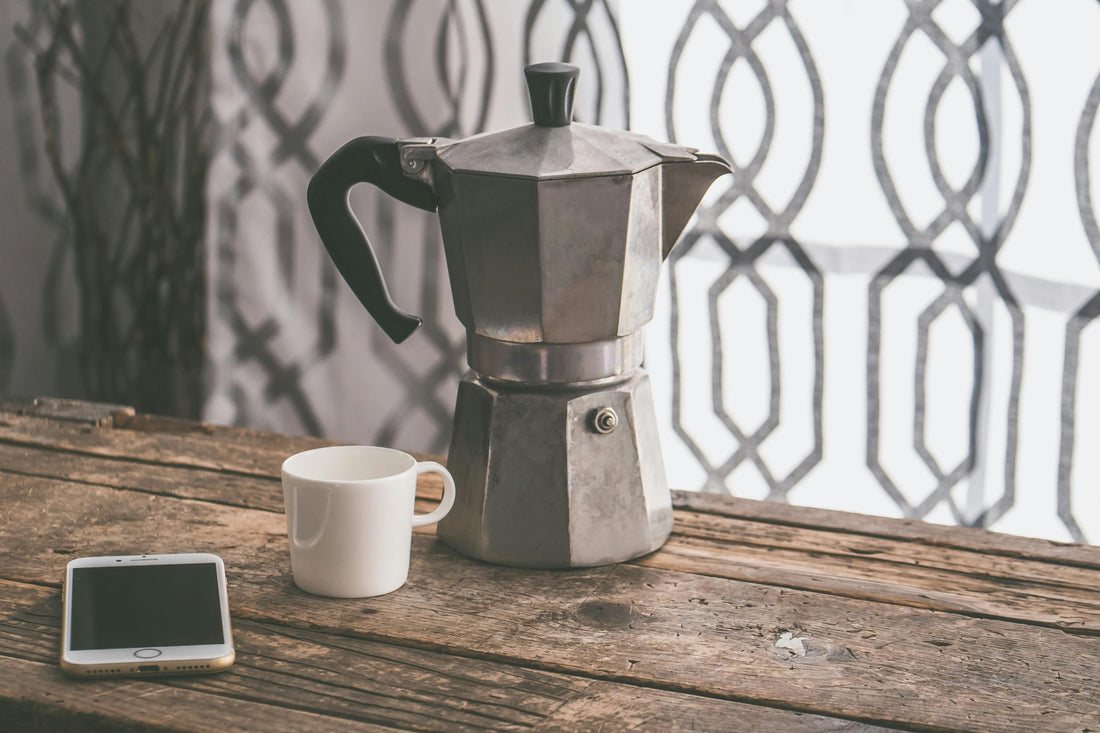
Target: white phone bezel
(190, 659)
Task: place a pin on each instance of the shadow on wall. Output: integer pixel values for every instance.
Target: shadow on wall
(114, 104)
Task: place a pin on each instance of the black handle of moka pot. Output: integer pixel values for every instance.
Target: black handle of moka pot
(364, 160)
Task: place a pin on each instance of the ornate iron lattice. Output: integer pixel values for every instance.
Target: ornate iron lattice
(742, 261)
(461, 33)
(945, 298)
(422, 371)
(454, 33)
(459, 66)
(987, 237)
(591, 40)
(1079, 321)
(258, 177)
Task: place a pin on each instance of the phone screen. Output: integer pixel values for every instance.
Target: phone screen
(145, 606)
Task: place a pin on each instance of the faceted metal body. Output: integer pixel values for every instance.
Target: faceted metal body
(554, 240)
(554, 233)
(527, 263)
(554, 246)
(540, 486)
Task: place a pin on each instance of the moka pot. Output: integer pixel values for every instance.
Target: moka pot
(554, 234)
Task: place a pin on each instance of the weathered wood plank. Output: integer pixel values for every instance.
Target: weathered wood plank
(349, 679)
(845, 563)
(221, 487)
(662, 711)
(259, 453)
(854, 565)
(364, 683)
(854, 546)
(36, 697)
(710, 636)
(206, 484)
(988, 596)
(204, 447)
(89, 413)
(967, 538)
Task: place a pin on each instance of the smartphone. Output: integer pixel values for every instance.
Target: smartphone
(146, 615)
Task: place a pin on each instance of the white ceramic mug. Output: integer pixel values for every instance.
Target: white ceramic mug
(349, 517)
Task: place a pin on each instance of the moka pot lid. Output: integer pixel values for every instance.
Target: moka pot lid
(553, 146)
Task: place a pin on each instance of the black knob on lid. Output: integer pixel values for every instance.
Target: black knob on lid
(551, 86)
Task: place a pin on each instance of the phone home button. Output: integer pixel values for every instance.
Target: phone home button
(147, 653)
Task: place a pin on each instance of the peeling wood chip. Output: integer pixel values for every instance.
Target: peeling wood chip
(791, 643)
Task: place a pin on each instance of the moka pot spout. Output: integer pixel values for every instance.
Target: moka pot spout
(683, 186)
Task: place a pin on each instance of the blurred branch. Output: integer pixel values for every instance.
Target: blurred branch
(134, 191)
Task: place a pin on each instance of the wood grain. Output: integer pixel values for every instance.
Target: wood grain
(935, 578)
(169, 442)
(858, 565)
(287, 677)
(36, 697)
(221, 487)
(203, 446)
(714, 637)
(89, 413)
(936, 535)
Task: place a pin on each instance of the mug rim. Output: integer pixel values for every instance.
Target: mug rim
(375, 449)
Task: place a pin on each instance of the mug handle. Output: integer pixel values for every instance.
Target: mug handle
(419, 520)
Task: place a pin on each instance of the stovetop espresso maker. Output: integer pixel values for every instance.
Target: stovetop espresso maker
(554, 234)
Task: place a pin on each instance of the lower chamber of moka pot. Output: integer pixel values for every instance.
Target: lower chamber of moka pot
(557, 478)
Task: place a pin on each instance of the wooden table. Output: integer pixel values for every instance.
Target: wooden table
(755, 616)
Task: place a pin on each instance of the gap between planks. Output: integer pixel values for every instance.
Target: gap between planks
(260, 455)
(855, 575)
(539, 696)
(565, 616)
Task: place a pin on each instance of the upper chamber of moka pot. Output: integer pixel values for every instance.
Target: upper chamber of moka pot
(555, 233)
